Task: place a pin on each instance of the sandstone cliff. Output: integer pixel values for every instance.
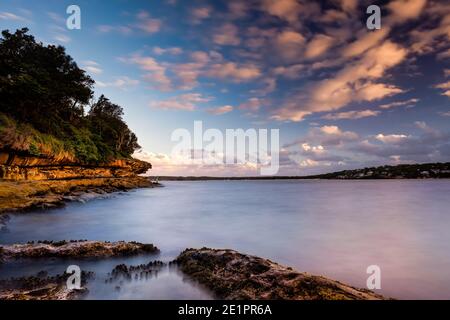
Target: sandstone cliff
(28, 182)
(24, 167)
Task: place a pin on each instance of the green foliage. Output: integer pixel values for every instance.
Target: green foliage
(42, 88)
(106, 119)
(24, 138)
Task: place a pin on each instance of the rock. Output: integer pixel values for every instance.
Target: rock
(42, 287)
(232, 275)
(74, 249)
(21, 167)
(138, 272)
(31, 195)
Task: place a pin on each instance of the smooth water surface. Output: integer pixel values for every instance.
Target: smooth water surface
(332, 228)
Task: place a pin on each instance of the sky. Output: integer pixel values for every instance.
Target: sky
(341, 95)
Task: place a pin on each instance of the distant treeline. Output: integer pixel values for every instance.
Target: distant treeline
(47, 106)
(403, 171)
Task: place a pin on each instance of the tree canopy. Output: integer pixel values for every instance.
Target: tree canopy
(43, 87)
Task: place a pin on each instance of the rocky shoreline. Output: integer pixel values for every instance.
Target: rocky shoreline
(228, 274)
(43, 194)
(233, 275)
(74, 249)
(42, 287)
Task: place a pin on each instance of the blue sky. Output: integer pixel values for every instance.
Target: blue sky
(341, 95)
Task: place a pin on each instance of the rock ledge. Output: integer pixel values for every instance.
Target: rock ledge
(74, 249)
(232, 275)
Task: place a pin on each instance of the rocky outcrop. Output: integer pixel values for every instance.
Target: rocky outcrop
(30, 195)
(232, 275)
(20, 167)
(42, 287)
(74, 249)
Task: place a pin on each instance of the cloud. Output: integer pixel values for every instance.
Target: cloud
(285, 9)
(354, 82)
(167, 76)
(408, 103)
(318, 46)
(289, 44)
(4, 15)
(92, 67)
(143, 22)
(220, 110)
(62, 38)
(186, 102)
(120, 83)
(155, 73)
(252, 104)
(351, 115)
(403, 10)
(430, 146)
(123, 30)
(422, 125)
(184, 165)
(435, 35)
(269, 86)
(238, 9)
(366, 41)
(313, 149)
(444, 54)
(200, 13)
(349, 5)
(200, 57)
(325, 136)
(445, 87)
(290, 10)
(171, 50)
(331, 135)
(234, 72)
(147, 24)
(227, 34)
(391, 138)
(349, 149)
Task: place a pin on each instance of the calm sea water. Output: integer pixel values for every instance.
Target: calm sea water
(331, 228)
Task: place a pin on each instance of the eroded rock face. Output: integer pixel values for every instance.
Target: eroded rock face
(232, 275)
(74, 249)
(17, 167)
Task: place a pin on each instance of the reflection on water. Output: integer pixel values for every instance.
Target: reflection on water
(334, 228)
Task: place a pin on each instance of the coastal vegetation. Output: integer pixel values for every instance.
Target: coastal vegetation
(47, 106)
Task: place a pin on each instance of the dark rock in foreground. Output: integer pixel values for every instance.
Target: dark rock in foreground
(232, 275)
(74, 249)
(42, 287)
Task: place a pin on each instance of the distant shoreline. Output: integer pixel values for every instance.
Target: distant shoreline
(193, 178)
(403, 171)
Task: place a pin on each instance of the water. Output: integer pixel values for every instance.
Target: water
(331, 228)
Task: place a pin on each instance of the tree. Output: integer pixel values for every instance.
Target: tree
(38, 80)
(106, 120)
(42, 86)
